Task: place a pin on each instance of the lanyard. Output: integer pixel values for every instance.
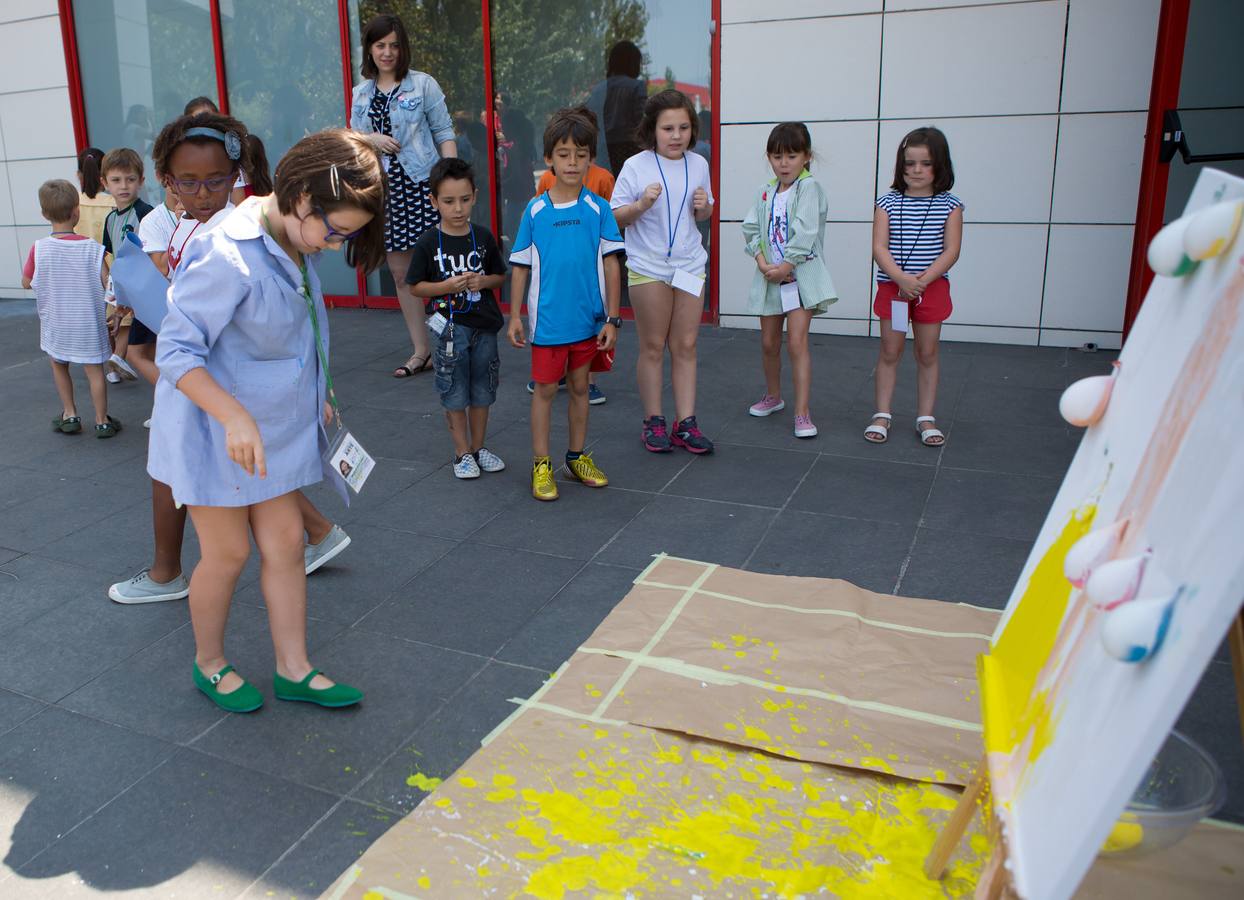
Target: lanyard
(440, 255)
(315, 324)
(172, 218)
(901, 198)
(785, 220)
(672, 223)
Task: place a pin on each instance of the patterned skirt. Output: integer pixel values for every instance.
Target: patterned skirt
(410, 212)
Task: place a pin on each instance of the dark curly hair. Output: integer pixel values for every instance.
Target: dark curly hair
(173, 135)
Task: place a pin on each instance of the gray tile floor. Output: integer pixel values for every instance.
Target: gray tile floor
(115, 774)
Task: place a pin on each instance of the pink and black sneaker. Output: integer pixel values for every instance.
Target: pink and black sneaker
(656, 438)
(687, 435)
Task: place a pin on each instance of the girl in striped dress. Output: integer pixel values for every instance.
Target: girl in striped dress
(917, 231)
(68, 274)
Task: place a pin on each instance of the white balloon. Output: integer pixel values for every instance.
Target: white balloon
(1134, 631)
(1166, 251)
(1212, 230)
(1115, 582)
(1091, 551)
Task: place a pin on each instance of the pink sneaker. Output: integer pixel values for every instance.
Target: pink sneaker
(804, 427)
(767, 406)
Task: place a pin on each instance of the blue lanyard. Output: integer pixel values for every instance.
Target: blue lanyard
(440, 255)
(672, 223)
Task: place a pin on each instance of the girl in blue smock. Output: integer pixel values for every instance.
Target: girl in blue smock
(241, 405)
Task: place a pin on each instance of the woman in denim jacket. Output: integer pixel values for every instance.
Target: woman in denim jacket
(403, 113)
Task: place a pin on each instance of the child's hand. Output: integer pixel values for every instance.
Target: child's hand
(909, 286)
(457, 284)
(328, 413)
(650, 195)
(473, 280)
(763, 264)
(515, 332)
(244, 445)
(779, 273)
(384, 143)
(608, 337)
(699, 200)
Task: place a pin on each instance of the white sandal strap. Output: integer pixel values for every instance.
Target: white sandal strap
(920, 419)
(885, 416)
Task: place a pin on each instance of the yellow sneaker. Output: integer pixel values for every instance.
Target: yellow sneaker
(543, 487)
(584, 469)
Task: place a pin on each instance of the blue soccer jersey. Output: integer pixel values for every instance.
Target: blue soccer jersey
(565, 246)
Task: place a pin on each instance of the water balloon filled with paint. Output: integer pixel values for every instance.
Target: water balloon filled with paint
(1115, 582)
(1134, 631)
(1166, 251)
(1091, 551)
(1084, 402)
(1212, 230)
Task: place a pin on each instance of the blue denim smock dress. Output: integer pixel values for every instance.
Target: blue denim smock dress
(236, 307)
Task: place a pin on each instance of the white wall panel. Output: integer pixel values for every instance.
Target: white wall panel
(851, 327)
(1086, 280)
(26, 175)
(1106, 340)
(900, 5)
(6, 200)
(26, 237)
(1004, 165)
(849, 255)
(992, 60)
(829, 69)
(768, 10)
(33, 55)
(1109, 60)
(736, 269)
(37, 124)
(844, 151)
(989, 334)
(1098, 169)
(10, 263)
(998, 278)
(13, 10)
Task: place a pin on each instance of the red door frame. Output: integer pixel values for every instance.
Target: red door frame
(81, 135)
(1168, 59)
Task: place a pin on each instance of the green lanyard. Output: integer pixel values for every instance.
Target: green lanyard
(315, 326)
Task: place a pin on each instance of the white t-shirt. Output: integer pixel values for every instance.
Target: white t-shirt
(156, 229)
(648, 249)
(779, 226)
(187, 229)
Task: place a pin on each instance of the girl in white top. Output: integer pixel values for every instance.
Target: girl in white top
(660, 195)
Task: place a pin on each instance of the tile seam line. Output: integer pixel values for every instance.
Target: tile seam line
(292, 847)
(773, 521)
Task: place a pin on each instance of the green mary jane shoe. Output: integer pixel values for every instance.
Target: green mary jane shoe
(243, 700)
(335, 696)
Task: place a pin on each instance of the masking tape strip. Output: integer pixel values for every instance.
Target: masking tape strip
(709, 569)
(893, 626)
(657, 559)
(390, 894)
(684, 669)
(563, 711)
(534, 698)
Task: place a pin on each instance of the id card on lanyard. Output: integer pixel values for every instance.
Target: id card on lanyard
(687, 282)
(345, 456)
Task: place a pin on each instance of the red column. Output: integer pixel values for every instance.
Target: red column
(218, 49)
(73, 74)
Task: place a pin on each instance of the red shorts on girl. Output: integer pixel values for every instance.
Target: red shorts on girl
(551, 362)
(934, 305)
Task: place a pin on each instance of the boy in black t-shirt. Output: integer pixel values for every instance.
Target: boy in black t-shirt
(122, 175)
(456, 267)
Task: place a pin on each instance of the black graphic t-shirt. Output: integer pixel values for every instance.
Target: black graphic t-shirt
(437, 256)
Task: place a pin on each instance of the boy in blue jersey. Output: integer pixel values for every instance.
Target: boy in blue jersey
(567, 243)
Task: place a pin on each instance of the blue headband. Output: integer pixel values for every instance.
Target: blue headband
(233, 143)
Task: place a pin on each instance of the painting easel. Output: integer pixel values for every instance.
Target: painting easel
(993, 881)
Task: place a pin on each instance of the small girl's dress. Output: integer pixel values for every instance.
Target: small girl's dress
(69, 297)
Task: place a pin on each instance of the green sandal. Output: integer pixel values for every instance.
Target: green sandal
(242, 700)
(335, 696)
(67, 424)
(107, 429)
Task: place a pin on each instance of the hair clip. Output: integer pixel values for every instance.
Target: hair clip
(233, 143)
(334, 181)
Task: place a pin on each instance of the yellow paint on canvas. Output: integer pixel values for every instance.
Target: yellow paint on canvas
(1011, 706)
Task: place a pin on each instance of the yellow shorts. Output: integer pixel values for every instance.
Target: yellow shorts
(633, 278)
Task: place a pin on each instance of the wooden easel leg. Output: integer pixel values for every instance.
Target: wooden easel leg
(992, 879)
(1235, 639)
(952, 832)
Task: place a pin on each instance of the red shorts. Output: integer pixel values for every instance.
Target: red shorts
(551, 362)
(934, 304)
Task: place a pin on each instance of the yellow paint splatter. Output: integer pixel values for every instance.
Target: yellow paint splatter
(467, 781)
(423, 782)
(756, 734)
(425, 882)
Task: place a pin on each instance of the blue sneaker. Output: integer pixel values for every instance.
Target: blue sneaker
(531, 388)
(595, 396)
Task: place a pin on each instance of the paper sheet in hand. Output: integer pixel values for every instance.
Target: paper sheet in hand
(790, 297)
(138, 284)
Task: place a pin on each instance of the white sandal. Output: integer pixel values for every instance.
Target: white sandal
(930, 437)
(882, 431)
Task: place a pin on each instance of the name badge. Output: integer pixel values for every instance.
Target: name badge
(790, 297)
(437, 323)
(349, 461)
(898, 315)
(687, 283)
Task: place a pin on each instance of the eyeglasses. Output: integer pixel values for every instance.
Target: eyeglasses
(331, 234)
(190, 186)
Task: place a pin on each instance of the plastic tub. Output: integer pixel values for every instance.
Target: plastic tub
(1182, 786)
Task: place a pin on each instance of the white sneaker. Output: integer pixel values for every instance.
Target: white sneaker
(488, 461)
(112, 378)
(123, 367)
(146, 423)
(315, 555)
(466, 467)
(141, 589)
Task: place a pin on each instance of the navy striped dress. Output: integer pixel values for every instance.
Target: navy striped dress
(917, 228)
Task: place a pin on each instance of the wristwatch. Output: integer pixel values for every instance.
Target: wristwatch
(615, 321)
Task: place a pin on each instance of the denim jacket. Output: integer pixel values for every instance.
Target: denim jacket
(419, 117)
